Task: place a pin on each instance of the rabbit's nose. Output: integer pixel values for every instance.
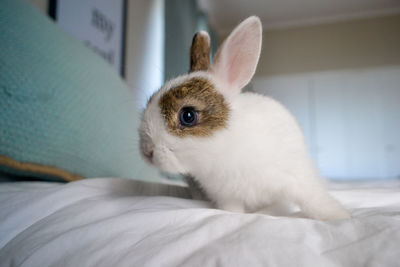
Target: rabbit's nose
(149, 155)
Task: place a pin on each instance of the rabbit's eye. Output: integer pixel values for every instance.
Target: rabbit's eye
(188, 117)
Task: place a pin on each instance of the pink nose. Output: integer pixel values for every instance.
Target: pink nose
(149, 154)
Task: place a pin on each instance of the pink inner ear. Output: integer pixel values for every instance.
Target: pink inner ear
(238, 63)
(238, 57)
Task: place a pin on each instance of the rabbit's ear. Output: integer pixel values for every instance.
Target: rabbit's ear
(236, 60)
(200, 52)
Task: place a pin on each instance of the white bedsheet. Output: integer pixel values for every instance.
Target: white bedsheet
(116, 222)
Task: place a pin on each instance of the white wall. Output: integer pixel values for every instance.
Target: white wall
(362, 43)
(144, 62)
(351, 118)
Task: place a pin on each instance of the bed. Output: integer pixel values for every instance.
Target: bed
(120, 222)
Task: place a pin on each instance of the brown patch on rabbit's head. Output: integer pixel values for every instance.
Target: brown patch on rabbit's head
(200, 97)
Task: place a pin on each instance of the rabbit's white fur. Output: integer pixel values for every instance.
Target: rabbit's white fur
(259, 159)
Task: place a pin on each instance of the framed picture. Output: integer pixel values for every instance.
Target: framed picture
(99, 24)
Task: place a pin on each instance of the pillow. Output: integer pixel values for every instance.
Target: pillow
(64, 112)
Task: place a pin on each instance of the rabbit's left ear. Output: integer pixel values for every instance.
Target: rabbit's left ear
(236, 60)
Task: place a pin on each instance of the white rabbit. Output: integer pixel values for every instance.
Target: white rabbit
(245, 150)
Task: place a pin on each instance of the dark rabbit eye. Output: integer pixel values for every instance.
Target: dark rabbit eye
(188, 117)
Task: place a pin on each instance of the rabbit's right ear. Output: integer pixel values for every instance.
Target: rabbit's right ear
(236, 60)
(200, 52)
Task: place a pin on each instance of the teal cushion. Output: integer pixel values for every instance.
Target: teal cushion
(62, 108)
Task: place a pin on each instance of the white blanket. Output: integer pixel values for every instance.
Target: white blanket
(116, 222)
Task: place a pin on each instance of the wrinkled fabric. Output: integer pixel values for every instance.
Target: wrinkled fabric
(114, 222)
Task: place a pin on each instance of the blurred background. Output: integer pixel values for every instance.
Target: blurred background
(334, 63)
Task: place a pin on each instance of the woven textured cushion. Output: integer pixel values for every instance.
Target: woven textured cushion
(64, 112)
